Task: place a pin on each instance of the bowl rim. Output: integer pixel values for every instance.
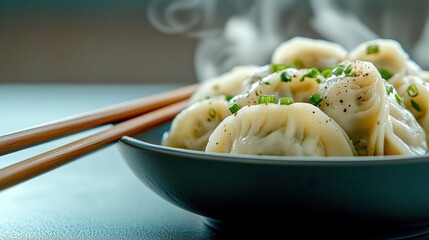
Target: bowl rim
(274, 160)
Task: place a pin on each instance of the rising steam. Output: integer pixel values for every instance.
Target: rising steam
(239, 32)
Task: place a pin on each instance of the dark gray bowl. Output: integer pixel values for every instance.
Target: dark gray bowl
(358, 197)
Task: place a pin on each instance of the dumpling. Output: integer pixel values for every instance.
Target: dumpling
(367, 108)
(257, 75)
(414, 69)
(227, 84)
(299, 129)
(262, 72)
(424, 75)
(406, 135)
(192, 127)
(387, 55)
(298, 84)
(309, 53)
(390, 59)
(415, 94)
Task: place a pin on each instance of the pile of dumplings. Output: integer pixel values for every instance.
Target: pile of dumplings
(314, 99)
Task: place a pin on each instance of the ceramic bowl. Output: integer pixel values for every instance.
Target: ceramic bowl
(377, 196)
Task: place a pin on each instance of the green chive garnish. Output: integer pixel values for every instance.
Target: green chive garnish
(234, 108)
(412, 90)
(416, 106)
(267, 99)
(266, 83)
(228, 98)
(372, 49)
(285, 77)
(312, 73)
(338, 71)
(327, 72)
(315, 99)
(212, 113)
(286, 101)
(385, 74)
(398, 99)
(278, 67)
(389, 90)
(348, 69)
(298, 63)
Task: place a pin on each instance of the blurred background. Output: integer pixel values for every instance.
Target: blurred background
(130, 41)
(95, 41)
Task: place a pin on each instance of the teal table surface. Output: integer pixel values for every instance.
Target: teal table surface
(94, 197)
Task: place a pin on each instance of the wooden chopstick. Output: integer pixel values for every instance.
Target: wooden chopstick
(44, 162)
(32, 136)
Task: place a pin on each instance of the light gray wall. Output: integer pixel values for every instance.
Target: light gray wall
(62, 44)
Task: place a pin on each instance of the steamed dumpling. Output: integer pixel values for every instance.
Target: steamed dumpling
(300, 85)
(299, 129)
(227, 84)
(424, 75)
(388, 55)
(192, 127)
(385, 54)
(415, 94)
(367, 108)
(309, 53)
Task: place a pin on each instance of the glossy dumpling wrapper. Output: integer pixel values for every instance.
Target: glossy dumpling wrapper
(424, 75)
(414, 69)
(257, 75)
(406, 134)
(367, 108)
(227, 84)
(299, 129)
(389, 56)
(298, 86)
(385, 54)
(415, 94)
(309, 53)
(192, 127)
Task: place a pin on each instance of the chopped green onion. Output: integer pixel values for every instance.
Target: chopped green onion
(312, 73)
(385, 74)
(416, 106)
(338, 71)
(298, 63)
(348, 69)
(412, 90)
(389, 90)
(234, 108)
(371, 49)
(315, 99)
(266, 83)
(267, 99)
(228, 98)
(398, 99)
(285, 77)
(212, 113)
(318, 80)
(278, 67)
(286, 101)
(327, 72)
